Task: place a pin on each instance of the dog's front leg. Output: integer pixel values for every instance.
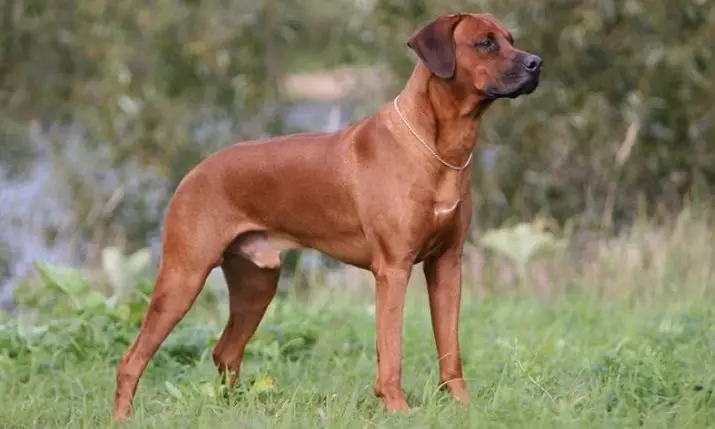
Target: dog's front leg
(444, 284)
(391, 285)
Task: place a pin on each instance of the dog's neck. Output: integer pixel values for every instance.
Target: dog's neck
(444, 115)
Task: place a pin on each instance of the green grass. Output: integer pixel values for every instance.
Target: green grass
(577, 363)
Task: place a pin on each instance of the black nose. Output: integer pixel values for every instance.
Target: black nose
(532, 62)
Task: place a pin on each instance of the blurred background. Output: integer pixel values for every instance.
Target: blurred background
(104, 106)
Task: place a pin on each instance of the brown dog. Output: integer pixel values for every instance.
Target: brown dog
(383, 194)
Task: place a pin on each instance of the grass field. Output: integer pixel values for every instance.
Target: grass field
(624, 338)
(579, 363)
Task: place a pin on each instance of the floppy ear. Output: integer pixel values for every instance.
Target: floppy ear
(434, 45)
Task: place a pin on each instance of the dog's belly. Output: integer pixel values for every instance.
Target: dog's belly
(264, 248)
(355, 253)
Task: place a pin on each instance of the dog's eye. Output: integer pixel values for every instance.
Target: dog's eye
(486, 44)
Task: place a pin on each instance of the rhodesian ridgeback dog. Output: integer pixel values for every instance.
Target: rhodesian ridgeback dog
(382, 194)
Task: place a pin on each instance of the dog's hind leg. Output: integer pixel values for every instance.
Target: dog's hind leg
(191, 248)
(251, 289)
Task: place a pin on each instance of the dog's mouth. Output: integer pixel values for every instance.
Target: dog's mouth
(524, 85)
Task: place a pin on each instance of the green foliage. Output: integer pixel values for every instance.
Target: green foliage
(521, 243)
(622, 122)
(576, 363)
(633, 368)
(63, 318)
(125, 98)
(123, 271)
(577, 359)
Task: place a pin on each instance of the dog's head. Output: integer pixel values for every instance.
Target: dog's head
(477, 52)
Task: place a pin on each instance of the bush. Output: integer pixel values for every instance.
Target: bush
(62, 318)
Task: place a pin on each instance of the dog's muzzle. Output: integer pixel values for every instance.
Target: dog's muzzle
(523, 79)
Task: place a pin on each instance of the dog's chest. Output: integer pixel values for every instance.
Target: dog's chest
(437, 202)
(443, 213)
(438, 229)
(435, 212)
(438, 222)
(446, 201)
